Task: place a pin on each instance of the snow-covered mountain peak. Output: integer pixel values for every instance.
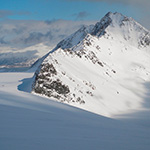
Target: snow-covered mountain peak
(96, 64)
(114, 26)
(110, 19)
(118, 18)
(125, 29)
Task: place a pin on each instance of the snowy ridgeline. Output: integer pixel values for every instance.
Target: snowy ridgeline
(103, 68)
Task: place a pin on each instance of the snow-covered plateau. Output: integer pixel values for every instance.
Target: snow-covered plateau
(91, 92)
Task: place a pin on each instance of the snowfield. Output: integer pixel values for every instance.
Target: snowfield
(31, 122)
(91, 92)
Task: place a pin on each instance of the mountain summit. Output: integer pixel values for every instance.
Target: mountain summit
(102, 68)
(112, 24)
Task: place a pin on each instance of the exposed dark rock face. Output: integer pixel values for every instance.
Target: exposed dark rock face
(49, 68)
(145, 41)
(58, 87)
(45, 85)
(48, 84)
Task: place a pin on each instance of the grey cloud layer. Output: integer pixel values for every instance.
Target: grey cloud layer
(142, 2)
(81, 15)
(6, 13)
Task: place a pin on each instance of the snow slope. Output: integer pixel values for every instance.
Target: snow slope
(103, 68)
(31, 122)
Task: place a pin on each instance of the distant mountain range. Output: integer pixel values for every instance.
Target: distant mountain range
(101, 68)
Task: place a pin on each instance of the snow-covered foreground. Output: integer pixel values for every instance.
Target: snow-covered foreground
(31, 122)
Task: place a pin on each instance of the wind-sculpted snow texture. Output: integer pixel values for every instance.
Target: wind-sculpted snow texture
(101, 68)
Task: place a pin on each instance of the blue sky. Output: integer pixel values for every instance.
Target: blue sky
(70, 9)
